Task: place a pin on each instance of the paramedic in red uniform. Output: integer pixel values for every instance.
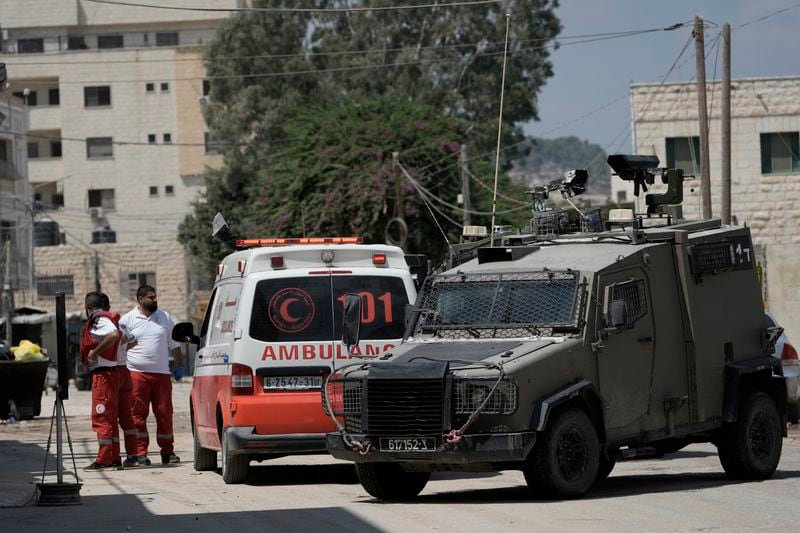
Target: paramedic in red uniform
(125, 390)
(99, 343)
(148, 362)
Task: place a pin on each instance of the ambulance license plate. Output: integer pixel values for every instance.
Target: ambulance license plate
(416, 444)
(292, 382)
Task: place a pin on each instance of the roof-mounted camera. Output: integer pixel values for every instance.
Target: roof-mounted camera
(640, 169)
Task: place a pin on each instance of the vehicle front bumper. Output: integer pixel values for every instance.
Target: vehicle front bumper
(244, 439)
(482, 448)
(791, 374)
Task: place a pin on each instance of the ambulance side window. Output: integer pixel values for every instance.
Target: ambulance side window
(207, 317)
(224, 314)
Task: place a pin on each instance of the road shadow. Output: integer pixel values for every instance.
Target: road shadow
(272, 475)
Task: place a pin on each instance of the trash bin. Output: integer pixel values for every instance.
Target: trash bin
(22, 382)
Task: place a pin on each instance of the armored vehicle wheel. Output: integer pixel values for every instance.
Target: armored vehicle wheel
(750, 448)
(565, 461)
(234, 466)
(388, 481)
(204, 459)
(604, 468)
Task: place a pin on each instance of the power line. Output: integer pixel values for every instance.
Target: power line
(765, 17)
(297, 9)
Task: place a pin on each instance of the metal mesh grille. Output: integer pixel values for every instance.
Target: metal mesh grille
(499, 305)
(399, 407)
(550, 223)
(712, 257)
(633, 294)
(590, 221)
(469, 394)
(344, 396)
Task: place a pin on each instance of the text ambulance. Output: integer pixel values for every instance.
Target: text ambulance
(272, 332)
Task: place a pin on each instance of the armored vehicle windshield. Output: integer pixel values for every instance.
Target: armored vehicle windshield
(500, 305)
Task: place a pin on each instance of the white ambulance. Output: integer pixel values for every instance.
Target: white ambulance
(272, 332)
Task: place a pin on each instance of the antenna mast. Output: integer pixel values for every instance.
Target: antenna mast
(499, 130)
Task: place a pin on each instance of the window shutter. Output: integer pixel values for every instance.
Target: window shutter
(766, 153)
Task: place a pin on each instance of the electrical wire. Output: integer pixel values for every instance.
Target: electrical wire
(297, 9)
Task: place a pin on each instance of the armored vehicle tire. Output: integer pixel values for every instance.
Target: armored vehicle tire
(204, 459)
(750, 448)
(234, 466)
(388, 481)
(604, 468)
(566, 459)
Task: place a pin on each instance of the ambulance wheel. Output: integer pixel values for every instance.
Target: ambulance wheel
(750, 448)
(234, 466)
(388, 481)
(204, 459)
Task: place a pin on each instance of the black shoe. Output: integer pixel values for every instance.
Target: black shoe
(133, 462)
(97, 466)
(170, 459)
(116, 465)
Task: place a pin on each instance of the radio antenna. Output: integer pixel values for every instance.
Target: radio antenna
(499, 130)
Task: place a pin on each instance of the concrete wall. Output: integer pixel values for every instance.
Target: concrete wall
(768, 203)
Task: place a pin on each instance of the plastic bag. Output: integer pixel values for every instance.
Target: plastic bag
(28, 351)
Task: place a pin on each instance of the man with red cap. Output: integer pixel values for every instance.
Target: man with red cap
(99, 344)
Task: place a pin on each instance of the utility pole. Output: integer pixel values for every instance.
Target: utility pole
(97, 287)
(398, 195)
(705, 167)
(726, 123)
(464, 172)
(8, 299)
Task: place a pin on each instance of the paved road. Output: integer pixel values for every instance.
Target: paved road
(687, 492)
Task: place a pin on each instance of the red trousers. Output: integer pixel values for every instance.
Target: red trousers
(155, 389)
(125, 411)
(105, 384)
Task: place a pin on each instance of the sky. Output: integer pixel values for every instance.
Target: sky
(589, 76)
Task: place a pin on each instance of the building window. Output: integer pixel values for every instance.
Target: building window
(165, 87)
(167, 39)
(684, 153)
(109, 41)
(33, 150)
(151, 138)
(97, 96)
(30, 46)
(30, 99)
(137, 279)
(780, 152)
(53, 97)
(167, 138)
(55, 148)
(169, 190)
(101, 198)
(48, 286)
(3, 150)
(213, 146)
(150, 87)
(206, 87)
(622, 196)
(153, 191)
(99, 148)
(76, 43)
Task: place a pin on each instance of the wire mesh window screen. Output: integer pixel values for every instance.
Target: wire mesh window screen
(712, 257)
(632, 292)
(468, 395)
(517, 303)
(47, 286)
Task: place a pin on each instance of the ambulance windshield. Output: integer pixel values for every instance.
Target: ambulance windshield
(310, 308)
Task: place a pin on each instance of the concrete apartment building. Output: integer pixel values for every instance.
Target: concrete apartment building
(765, 168)
(117, 145)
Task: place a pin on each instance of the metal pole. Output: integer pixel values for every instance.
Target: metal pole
(97, 272)
(398, 195)
(462, 168)
(726, 123)
(8, 307)
(499, 131)
(705, 167)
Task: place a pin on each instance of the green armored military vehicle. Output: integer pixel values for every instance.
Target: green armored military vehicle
(558, 354)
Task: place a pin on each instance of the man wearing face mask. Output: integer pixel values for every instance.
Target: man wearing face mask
(148, 362)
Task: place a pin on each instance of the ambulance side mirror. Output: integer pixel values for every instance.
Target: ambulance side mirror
(351, 321)
(184, 332)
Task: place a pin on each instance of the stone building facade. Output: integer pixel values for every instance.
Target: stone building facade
(765, 168)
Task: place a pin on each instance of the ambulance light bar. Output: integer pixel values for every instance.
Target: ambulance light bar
(241, 244)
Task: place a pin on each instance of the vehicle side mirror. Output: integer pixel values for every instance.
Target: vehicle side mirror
(617, 314)
(351, 320)
(184, 332)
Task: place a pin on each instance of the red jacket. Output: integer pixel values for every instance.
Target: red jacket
(88, 343)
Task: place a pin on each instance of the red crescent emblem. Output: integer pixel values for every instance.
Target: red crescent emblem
(300, 316)
(285, 310)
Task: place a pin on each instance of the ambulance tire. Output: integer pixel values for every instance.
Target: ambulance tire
(204, 459)
(388, 481)
(234, 466)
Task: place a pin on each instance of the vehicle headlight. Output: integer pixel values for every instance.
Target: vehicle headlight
(469, 394)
